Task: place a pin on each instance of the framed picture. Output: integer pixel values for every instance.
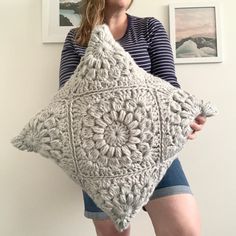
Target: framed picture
(195, 33)
(58, 17)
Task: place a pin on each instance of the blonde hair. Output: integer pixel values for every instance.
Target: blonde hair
(92, 14)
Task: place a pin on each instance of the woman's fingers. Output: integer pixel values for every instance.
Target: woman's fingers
(192, 135)
(196, 126)
(201, 119)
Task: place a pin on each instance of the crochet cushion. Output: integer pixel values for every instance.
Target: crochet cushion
(113, 128)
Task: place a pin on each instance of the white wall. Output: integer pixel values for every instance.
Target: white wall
(37, 198)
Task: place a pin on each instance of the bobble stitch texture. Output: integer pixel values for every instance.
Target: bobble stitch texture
(113, 128)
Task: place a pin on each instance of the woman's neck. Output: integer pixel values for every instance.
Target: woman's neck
(117, 23)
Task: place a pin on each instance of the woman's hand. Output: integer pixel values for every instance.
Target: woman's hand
(197, 126)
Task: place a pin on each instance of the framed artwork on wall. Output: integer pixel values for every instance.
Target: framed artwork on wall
(195, 33)
(58, 17)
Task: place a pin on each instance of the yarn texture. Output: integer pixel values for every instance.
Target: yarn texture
(113, 128)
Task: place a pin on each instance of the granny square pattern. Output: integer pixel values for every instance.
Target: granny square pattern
(113, 128)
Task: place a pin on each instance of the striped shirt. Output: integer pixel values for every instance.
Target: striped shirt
(145, 39)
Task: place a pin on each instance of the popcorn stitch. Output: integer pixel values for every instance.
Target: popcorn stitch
(113, 128)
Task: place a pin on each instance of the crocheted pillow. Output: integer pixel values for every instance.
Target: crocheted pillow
(113, 128)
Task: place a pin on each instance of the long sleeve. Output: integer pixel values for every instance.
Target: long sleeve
(162, 63)
(69, 59)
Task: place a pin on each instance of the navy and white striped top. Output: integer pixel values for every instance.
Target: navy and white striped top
(145, 39)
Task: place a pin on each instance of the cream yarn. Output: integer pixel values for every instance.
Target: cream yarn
(113, 128)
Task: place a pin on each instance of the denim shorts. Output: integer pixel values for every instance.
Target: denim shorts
(173, 182)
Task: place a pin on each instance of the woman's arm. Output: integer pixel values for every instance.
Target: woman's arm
(163, 64)
(161, 55)
(69, 59)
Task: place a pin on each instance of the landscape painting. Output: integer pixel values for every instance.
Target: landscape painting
(69, 13)
(195, 33)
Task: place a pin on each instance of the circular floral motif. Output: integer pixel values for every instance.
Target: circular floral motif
(115, 133)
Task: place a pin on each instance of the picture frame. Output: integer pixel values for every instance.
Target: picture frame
(58, 17)
(195, 32)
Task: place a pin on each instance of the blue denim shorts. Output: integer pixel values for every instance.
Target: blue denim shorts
(173, 182)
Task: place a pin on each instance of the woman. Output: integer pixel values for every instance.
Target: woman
(172, 207)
